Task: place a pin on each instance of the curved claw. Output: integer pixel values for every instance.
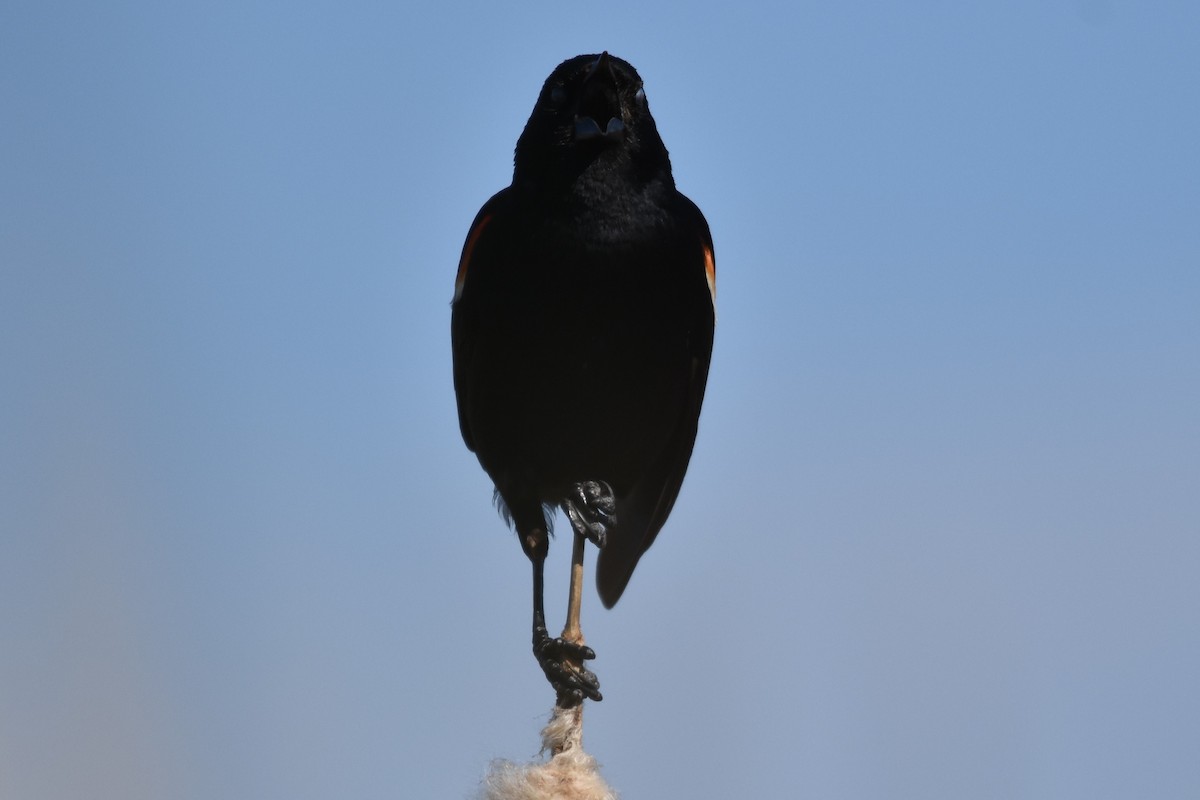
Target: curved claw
(592, 509)
(562, 662)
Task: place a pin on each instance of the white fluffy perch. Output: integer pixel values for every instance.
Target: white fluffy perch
(570, 774)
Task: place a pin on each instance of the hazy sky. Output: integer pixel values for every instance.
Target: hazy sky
(941, 533)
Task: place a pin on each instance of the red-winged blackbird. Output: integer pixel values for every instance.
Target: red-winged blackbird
(582, 329)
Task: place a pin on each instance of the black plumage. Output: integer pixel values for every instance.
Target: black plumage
(582, 330)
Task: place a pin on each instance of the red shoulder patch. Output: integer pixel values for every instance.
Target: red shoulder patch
(472, 239)
(710, 272)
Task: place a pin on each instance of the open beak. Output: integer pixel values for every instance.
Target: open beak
(599, 101)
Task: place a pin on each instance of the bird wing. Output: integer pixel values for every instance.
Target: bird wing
(646, 507)
(463, 332)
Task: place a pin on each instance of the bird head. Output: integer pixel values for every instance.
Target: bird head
(591, 115)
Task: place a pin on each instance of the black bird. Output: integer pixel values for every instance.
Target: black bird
(582, 330)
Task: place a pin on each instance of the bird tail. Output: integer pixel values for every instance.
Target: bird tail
(639, 519)
(615, 566)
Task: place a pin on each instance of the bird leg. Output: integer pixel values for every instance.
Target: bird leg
(572, 632)
(562, 659)
(591, 508)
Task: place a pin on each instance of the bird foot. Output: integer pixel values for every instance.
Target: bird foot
(562, 661)
(592, 509)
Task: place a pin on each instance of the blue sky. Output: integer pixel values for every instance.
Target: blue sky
(940, 533)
